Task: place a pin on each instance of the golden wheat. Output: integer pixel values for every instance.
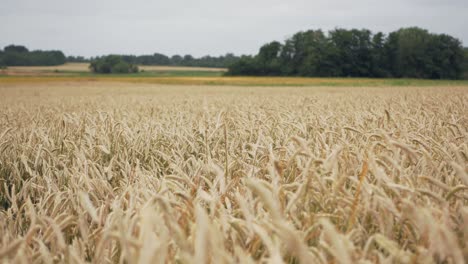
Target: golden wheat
(95, 172)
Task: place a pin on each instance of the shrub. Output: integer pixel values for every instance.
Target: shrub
(112, 64)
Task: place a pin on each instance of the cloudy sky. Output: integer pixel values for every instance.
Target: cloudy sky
(215, 27)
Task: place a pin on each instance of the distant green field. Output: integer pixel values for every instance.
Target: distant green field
(196, 76)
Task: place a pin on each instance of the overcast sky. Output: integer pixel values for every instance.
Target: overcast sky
(214, 27)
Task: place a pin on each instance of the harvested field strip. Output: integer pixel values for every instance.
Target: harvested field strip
(236, 81)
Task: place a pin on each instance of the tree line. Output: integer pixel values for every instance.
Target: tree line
(465, 65)
(222, 61)
(408, 52)
(17, 55)
(14, 55)
(127, 63)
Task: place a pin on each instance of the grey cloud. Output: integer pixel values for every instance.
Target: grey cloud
(203, 27)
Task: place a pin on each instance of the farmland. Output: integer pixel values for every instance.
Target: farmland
(79, 70)
(79, 73)
(232, 170)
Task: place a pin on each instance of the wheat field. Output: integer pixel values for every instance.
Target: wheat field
(149, 173)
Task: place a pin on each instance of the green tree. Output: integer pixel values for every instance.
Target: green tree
(447, 57)
(246, 66)
(16, 48)
(15, 55)
(176, 60)
(77, 59)
(412, 58)
(112, 64)
(354, 51)
(409, 52)
(465, 64)
(321, 58)
(416, 53)
(308, 53)
(379, 59)
(268, 59)
(2, 63)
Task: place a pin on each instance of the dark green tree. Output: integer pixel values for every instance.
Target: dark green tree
(316, 55)
(15, 55)
(446, 57)
(465, 64)
(112, 64)
(16, 48)
(77, 59)
(2, 64)
(246, 66)
(379, 65)
(177, 60)
(268, 59)
(412, 58)
(409, 52)
(354, 51)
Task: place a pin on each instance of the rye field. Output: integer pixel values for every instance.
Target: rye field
(115, 171)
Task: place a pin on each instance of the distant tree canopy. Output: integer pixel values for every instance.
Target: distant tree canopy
(80, 59)
(17, 55)
(186, 60)
(465, 65)
(112, 64)
(409, 52)
(14, 55)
